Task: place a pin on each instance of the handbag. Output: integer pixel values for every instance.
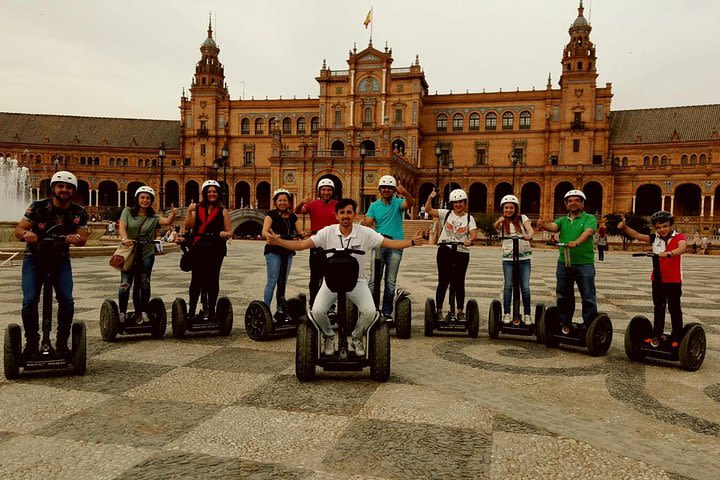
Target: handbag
(123, 257)
(186, 260)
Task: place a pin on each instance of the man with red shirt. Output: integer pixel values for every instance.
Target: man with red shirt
(322, 214)
(668, 245)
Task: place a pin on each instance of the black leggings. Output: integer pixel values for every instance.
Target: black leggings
(446, 275)
(205, 274)
(667, 294)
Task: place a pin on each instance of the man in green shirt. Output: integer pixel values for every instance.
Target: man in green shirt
(576, 229)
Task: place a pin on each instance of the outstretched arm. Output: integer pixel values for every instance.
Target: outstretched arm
(400, 244)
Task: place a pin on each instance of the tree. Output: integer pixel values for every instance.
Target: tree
(484, 222)
(636, 222)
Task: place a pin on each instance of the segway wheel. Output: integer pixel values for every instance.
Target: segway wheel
(548, 324)
(353, 314)
(403, 318)
(380, 353)
(258, 321)
(305, 351)
(494, 319)
(692, 347)
(224, 315)
(12, 351)
(638, 330)
(599, 336)
(472, 314)
(179, 318)
(158, 317)
(430, 313)
(539, 312)
(109, 320)
(79, 348)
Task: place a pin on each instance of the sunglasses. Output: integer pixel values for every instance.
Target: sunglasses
(387, 188)
(460, 201)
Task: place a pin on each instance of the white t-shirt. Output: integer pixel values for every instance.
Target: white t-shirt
(361, 238)
(524, 247)
(455, 229)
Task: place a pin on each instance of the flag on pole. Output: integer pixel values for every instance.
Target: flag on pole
(368, 18)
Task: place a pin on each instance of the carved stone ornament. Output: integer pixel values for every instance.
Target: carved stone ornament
(578, 92)
(369, 178)
(668, 185)
(289, 176)
(203, 103)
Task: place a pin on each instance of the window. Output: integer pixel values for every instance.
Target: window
(314, 125)
(140, 162)
(125, 162)
(259, 126)
(248, 157)
(112, 162)
(693, 159)
(186, 161)
(398, 116)
(481, 156)
(173, 163)
(703, 158)
(457, 122)
(646, 160)
(664, 160)
(625, 161)
(490, 121)
(338, 118)
(577, 120)
(82, 161)
(579, 65)
(474, 121)
(655, 160)
(203, 124)
(576, 146)
(684, 160)
(245, 126)
(271, 125)
(553, 159)
(442, 123)
(286, 126)
(525, 120)
(367, 117)
(301, 126)
(519, 153)
(507, 120)
(97, 160)
(597, 159)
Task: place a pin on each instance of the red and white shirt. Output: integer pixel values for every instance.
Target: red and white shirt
(670, 268)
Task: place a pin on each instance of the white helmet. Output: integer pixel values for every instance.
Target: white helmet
(210, 183)
(145, 189)
(510, 199)
(326, 182)
(575, 193)
(280, 191)
(64, 177)
(387, 181)
(457, 195)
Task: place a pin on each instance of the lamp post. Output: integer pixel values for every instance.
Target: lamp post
(225, 152)
(450, 167)
(438, 154)
(514, 160)
(363, 153)
(161, 162)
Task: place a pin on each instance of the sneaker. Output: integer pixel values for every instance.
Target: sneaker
(31, 351)
(280, 316)
(62, 348)
(359, 347)
(388, 318)
(438, 315)
(46, 348)
(461, 316)
(507, 318)
(329, 346)
(122, 317)
(138, 318)
(528, 320)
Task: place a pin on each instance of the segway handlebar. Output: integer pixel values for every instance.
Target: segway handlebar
(645, 254)
(450, 244)
(344, 250)
(559, 245)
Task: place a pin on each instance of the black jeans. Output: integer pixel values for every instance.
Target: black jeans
(205, 274)
(601, 252)
(447, 274)
(667, 294)
(317, 272)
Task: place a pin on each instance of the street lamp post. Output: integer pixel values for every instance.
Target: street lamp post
(450, 167)
(225, 152)
(514, 160)
(363, 153)
(161, 161)
(438, 154)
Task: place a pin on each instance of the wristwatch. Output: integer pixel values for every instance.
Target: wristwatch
(669, 254)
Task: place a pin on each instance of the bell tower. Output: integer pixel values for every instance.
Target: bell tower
(209, 73)
(579, 60)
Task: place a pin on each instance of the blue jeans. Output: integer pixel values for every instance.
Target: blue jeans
(141, 295)
(272, 262)
(524, 285)
(584, 276)
(33, 270)
(390, 264)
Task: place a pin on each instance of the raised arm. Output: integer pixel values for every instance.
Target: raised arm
(300, 208)
(408, 201)
(428, 205)
(623, 227)
(169, 219)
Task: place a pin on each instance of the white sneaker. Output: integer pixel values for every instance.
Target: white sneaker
(329, 346)
(122, 317)
(527, 319)
(359, 347)
(506, 318)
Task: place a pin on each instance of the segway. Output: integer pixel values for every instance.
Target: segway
(450, 323)
(690, 351)
(402, 306)
(596, 337)
(182, 323)
(153, 322)
(341, 274)
(260, 323)
(75, 361)
(516, 326)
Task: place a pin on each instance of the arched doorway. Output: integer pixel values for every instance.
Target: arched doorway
(338, 185)
(478, 198)
(82, 196)
(687, 200)
(369, 147)
(648, 199)
(172, 194)
(131, 189)
(262, 194)
(594, 193)
(501, 189)
(337, 148)
(398, 146)
(242, 195)
(425, 190)
(530, 199)
(559, 198)
(108, 193)
(449, 187)
(192, 192)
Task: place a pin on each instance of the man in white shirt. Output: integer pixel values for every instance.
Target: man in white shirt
(346, 235)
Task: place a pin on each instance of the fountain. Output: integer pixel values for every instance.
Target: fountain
(14, 191)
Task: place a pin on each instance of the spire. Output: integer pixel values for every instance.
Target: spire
(549, 84)
(210, 23)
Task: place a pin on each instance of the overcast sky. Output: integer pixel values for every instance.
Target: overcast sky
(132, 58)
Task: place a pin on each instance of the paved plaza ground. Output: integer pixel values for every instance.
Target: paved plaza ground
(228, 407)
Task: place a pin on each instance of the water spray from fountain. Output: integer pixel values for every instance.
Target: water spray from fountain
(14, 191)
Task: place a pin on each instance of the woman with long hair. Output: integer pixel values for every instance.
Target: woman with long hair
(512, 222)
(211, 228)
(140, 222)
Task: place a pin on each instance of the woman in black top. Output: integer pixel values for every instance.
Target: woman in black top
(211, 228)
(281, 221)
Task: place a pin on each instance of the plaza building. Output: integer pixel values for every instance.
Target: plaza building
(372, 118)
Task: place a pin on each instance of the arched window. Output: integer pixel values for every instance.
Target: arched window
(301, 125)
(703, 158)
(82, 160)
(525, 120)
(271, 125)
(625, 161)
(684, 160)
(286, 126)
(245, 126)
(259, 126)
(655, 160)
(693, 159)
(474, 121)
(508, 118)
(664, 160)
(442, 123)
(646, 160)
(367, 117)
(125, 162)
(314, 125)
(490, 121)
(457, 122)
(112, 162)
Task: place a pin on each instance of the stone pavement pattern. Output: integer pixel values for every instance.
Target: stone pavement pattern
(213, 407)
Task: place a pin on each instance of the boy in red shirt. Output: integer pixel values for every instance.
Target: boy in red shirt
(668, 245)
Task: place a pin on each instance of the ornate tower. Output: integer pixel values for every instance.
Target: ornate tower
(209, 73)
(579, 54)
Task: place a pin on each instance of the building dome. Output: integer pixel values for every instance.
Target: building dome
(579, 22)
(209, 42)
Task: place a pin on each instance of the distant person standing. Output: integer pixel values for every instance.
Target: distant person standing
(602, 242)
(111, 229)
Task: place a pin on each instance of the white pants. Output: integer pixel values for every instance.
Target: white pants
(360, 296)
